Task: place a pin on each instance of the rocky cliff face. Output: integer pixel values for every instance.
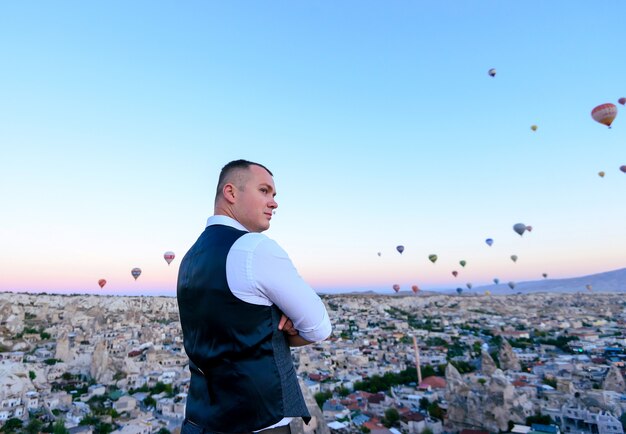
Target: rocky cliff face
(508, 359)
(487, 406)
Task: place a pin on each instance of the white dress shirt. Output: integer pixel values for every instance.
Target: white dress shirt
(260, 272)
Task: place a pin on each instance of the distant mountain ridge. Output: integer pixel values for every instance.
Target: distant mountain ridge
(608, 281)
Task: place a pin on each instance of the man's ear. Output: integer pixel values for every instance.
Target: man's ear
(229, 192)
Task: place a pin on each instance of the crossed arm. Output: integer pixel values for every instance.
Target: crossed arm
(293, 337)
(304, 317)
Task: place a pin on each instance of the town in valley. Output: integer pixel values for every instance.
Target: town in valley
(406, 363)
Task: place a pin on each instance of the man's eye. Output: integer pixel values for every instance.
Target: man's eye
(264, 190)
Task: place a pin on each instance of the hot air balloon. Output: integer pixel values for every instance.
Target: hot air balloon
(589, 287)
(102, 282)
(432, 258)
(379, 253)
(511, 285)
(136, 272)
(492, 72)
(462, 262)
(604, 114)
(545, 275)
(469, 285)
(601, 174)
(514, 258)
(487, 292)
(459, 290)
(396, 287)
(529, 228)
(169, 257)
(520, 228)
(415, 289)
(622, 100)
(623, 168)
(496, 281)
(400, 249)
(489, 241)
(455, 273)
(533, 127)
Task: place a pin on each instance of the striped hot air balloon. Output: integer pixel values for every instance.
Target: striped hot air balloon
(169, 257)
(604, 114)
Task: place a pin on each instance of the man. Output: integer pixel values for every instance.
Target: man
(242, 305)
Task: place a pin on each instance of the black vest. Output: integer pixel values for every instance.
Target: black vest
(242, 373)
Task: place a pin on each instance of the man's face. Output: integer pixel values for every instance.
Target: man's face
(255, 202)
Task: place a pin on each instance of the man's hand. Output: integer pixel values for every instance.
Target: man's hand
(286, 326)
(293, 337)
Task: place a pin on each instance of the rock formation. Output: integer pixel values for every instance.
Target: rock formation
(100, 364)
(565, 385)
(63, 348)
(487, 365)
(42, 312)
(488, 407)
(508, 359)
(12, 317)
(13, 380)
(317, 425)
(614, 380)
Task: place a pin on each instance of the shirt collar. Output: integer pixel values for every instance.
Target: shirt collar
(226, 221)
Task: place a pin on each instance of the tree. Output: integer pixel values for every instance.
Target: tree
(477, 348)
(163, 431)
(342, 391)
(104, 428)
(462, 366)
(149, 402)
(89, 420)
(538, 418)
(34, 426)
(435, 411)
(391, 417)
(427, 431)
(427, 371)
(162, 387)
(32, 375)
(424, 402)
(59, 427)
(12, 425)
(322, 397)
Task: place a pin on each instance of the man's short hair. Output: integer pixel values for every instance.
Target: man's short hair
(235, 172)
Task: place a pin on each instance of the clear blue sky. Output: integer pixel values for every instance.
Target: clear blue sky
(378, 119)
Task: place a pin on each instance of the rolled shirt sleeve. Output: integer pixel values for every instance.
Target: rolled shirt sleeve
(277, 278)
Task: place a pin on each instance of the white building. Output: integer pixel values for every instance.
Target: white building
(577, 420)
